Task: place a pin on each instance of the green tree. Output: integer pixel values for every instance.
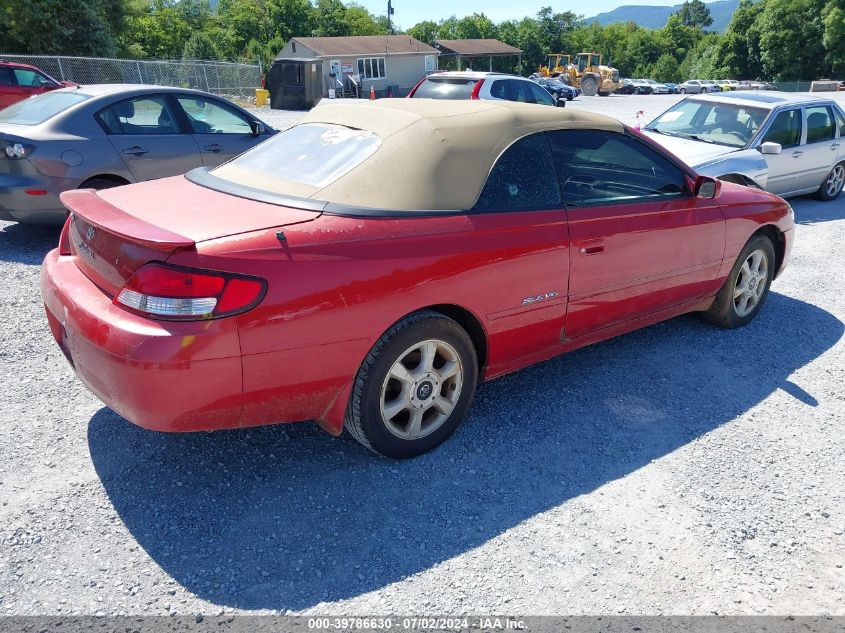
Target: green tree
(695, 13)
(330, 19)
(200, 46)
(423, 31)
(739, 47)
(666, 69)
(833, 38)
(56, 27)
(362, 22)
(791, 40)
(237, 23)
(555, 29)
(290, 18)
(475, 26)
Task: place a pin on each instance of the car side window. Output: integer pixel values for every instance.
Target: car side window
(512, 90)
(210, 117)
(540, 95)
(819, 124)
(785, 129)
(600, 167)
(29, 78)
(840, 121)
(522, 179)
(142, 115)
(7, 78)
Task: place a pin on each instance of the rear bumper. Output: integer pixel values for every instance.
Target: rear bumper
(16, 205)
(159, 375)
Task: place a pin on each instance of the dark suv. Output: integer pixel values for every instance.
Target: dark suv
(19, 81)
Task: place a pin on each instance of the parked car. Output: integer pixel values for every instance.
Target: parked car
(724, 85)
(786, 143)
(627, 87)
(558, 89)
(762, 85)
(693, 86)
(711, 85)
(643, 87)
(673, 87)
(469, 84)
(21, 81)
(658, 88)
(102, 136)
(334, 275)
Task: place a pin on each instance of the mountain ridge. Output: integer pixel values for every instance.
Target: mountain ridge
(654, 17)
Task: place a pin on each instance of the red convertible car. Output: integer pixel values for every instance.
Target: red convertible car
(369, 266)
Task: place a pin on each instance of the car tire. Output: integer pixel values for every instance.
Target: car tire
(100, 183)
(833, 183)
(747, 286)
(427, 400)
(682, 91)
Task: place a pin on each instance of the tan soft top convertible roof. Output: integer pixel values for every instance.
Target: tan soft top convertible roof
(434, 154)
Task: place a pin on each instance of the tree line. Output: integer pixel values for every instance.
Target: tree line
(778, 40)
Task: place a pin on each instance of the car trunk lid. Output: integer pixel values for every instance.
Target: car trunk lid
(116, 231)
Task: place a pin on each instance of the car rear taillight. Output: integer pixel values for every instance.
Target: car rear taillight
(64, 237)
(477, 89)
(175, 293)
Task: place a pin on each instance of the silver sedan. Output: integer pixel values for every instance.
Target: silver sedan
(789, 144)
(102, 136)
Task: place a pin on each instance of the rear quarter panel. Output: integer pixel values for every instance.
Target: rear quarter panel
(336, 284)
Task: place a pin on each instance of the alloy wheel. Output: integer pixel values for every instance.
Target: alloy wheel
(421, 389)
(751, 283)
(834, 182)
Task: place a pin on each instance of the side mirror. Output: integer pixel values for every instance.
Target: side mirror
(257, 128)
(771, 148)
(707, 187)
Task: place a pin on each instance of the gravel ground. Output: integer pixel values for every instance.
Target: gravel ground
(678, 469)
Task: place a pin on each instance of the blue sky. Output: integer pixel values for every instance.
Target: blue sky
(409, 12)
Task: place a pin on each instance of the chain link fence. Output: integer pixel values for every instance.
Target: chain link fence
(221, 78)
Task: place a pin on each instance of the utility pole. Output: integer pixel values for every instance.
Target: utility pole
(389, 13)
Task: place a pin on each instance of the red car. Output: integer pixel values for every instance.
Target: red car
(19, 81)
(368, 267)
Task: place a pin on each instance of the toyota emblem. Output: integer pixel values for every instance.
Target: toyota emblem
(90, 233)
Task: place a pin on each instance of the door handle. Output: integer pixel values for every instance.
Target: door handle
(135, 151)
(213, 148)
(797, 153)
(834, 146)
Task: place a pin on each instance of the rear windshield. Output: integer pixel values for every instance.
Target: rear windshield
(446, 88)
(39, 108)
(311, 154)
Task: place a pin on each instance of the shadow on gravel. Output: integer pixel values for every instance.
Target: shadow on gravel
(25, 243)
(808, 210)
(285, 517)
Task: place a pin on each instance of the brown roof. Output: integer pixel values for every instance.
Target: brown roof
(455, 143)
(365, 45)
(477, 47)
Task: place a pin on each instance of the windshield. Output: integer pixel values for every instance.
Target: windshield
(728, 124)
(310, 154)
(446, 88)
(39, 108)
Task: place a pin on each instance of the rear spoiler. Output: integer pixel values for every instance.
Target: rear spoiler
(94, 210)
